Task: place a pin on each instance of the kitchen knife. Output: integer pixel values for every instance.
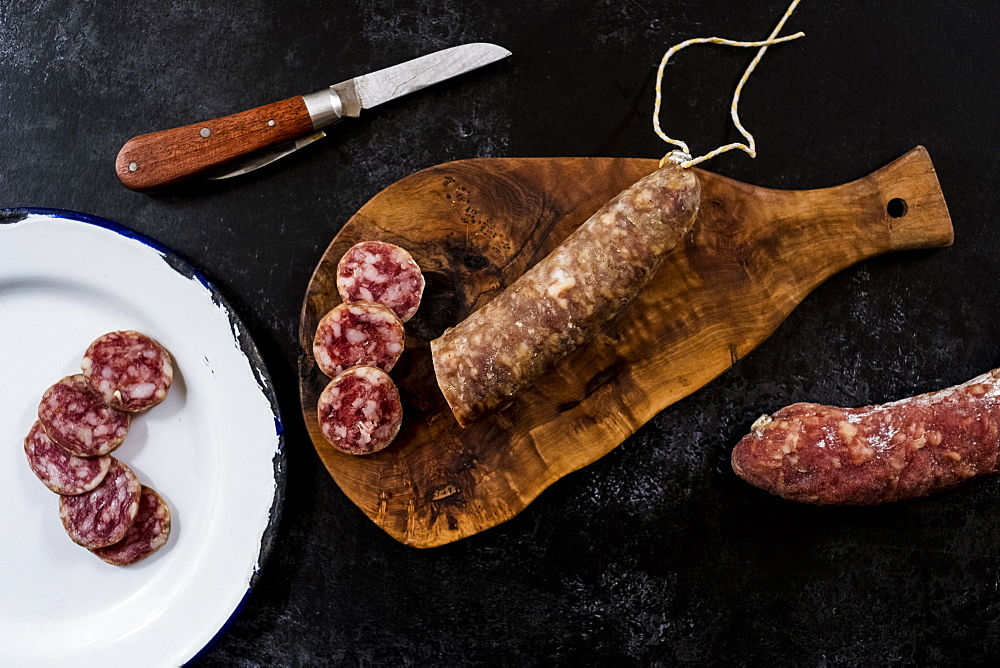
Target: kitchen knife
(253, 138)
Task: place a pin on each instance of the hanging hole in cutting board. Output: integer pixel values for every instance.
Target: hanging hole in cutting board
(896, 208)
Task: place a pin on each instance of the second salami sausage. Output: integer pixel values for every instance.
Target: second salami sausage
(566, 298)
(875, 454)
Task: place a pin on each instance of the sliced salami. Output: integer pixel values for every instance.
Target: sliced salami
(75, 418)
(148, 533)
(103, 515)
(358, 334)
(59, 470)
(380, 272)
(359, 411)
(128, 370)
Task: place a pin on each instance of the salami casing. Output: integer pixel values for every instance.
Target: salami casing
(358, 334)
(567, 297)
(147, 534)
(128, 370)
(75, 418)
(60, 471)
(103, 515)
(875, 454)
(359, 411)
(380, 272)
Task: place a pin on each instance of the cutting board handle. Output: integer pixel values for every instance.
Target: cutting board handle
(898, 207)
(912, 201)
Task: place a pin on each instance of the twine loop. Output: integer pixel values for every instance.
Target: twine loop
(683, 156)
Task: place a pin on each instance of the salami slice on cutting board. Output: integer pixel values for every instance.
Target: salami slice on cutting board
(103, 515)
(358, 334)
(380, 272)
(128, 370)
(148, 533)
(60, 471)
(75, 418)
(359, 411)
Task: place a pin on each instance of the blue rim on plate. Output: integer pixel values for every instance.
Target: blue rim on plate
(247, 346)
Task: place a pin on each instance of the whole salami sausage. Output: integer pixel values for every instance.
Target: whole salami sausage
(876, 454)
(147, 534)
(75, 418)
(358, 334)
(380, 272)
(566, 298)
(359, 411)
(59, 470)
(128, 370)
(103, 515)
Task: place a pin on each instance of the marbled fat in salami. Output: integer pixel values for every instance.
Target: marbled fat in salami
(128, 370)
(876, 454)
(380, 272)
(358, 334)
(359, 411)
(60, 471)
(75, 418)
(148, 533)
(103, 515)
(567, 297)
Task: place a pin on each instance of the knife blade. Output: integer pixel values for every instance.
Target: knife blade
(248, 140)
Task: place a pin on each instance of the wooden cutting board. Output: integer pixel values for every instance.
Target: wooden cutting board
(474, 226)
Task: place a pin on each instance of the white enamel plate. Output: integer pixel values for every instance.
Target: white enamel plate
(213, 449)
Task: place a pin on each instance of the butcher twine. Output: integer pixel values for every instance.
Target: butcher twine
(683, 157)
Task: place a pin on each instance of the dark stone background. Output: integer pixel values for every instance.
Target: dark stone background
(658, 554)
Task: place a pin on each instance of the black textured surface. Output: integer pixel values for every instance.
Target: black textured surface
(657, 554)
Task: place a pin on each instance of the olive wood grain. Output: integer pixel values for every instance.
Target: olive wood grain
(163, 158)
(474, 226)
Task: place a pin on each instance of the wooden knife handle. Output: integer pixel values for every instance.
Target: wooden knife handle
(160, 159)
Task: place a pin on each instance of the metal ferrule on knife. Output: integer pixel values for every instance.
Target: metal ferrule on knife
(328, 105)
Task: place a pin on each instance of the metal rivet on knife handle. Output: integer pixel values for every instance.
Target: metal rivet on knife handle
(205, 132)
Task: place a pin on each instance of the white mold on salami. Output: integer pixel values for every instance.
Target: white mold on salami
(147, 534)
(58, 469)
(359, 411)
(75, 418)
(358, 334)
(383, 273)
(128, 370)
(103, 515)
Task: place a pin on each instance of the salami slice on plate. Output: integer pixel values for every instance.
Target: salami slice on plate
(359, 411)
(358, 334)
(380, 272)
(60, 471)
(103, 515)
(128, 370)
(148, 533)
(75, 418)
